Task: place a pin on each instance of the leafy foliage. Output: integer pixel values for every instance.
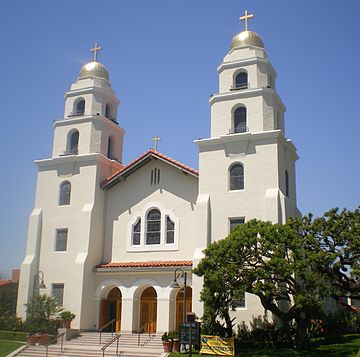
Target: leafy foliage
(290, 267)
(43, 313)
(8, 298)
(8, 319)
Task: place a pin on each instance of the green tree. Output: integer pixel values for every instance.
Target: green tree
(43, 313)
(335, 238)
(8, 298)
(290, 267)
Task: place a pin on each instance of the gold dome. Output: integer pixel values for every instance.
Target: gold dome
(94, 69)
(246, 38)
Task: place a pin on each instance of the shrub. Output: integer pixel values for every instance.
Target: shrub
(43, 313)
(13, 336)
(11, 322)
(266, 335)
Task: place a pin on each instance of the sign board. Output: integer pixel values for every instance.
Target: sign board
(215, 345)
(184, 333)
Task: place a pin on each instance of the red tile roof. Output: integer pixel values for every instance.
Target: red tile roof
(6, 282)
(138, 160)
(153, 264)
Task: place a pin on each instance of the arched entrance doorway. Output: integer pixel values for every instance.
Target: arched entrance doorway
(148, 310)
(180, 304)
(111, 309)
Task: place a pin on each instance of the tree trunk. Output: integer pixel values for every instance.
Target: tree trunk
(302, 338)
(229, 326)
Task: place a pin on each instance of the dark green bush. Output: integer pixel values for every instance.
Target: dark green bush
(10, 322)
(265, 335)
(13, 336)
(43, 314)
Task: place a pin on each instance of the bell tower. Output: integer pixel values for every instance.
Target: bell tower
(90, 117)
(247, 165)
(66, 225)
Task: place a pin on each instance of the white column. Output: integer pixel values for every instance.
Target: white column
(126, 314)
(162, 315)
(97, 302)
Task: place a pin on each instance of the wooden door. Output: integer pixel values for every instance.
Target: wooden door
(148, 310)
(111, 309)
(180, 304)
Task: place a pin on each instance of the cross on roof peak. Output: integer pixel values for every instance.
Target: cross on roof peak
(156, 139)
(96, 49)
(245, 18)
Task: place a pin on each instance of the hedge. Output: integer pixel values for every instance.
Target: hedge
(13, 336)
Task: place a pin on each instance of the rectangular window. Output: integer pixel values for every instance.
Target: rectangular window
(235, 222)
(239, 303)
(61, 240)
(58, 293)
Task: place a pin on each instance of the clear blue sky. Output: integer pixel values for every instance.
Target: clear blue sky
(162, 57)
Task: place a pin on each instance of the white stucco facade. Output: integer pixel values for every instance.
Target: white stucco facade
(108, 236)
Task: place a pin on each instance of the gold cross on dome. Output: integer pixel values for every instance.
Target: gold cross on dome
(155, 139)
(96, 49)
(245, 18)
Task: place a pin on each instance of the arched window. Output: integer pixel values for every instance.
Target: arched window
(153, 227)
(74, 142)
(170, 231)
(136, 233)
(65, 193)
(108, 111)
(241, 81)
(80, 107)
(237, 177)
(110, 148)
(240, 120)
(286, 183)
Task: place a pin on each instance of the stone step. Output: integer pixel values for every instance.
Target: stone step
(37, 351)
(87, 345)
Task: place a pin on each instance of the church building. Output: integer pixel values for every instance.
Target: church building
(108, 238)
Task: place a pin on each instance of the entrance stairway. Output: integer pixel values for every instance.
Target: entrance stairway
(87, 345)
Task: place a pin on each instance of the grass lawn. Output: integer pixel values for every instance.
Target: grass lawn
(349, 346)
(8, 346)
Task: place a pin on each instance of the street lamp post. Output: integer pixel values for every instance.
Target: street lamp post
(175, 284)
(39, 283)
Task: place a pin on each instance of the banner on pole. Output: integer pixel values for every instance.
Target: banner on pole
(215, 345)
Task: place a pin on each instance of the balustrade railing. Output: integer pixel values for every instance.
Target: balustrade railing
(142, 328)
(56, 338)
(115, 338)
(111, 322)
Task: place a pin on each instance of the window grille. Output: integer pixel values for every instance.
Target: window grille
(237, 177)
(58, 293)
(235, 222)
(65, 193)
(241, 81)
(74, 142)
(61, 240)
(170, 231)
(153, 227)
(80, 107)
(136, 234)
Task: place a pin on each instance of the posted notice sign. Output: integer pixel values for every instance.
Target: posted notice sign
(215, 345)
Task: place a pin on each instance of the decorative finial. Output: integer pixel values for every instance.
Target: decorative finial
(245, 18)
(156, 139)
(96, 49)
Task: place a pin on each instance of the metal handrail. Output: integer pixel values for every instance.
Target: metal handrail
(104, 326)
(142, 328)
(56, 339)
(240, 86)
(115, 338)
(239, 129)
